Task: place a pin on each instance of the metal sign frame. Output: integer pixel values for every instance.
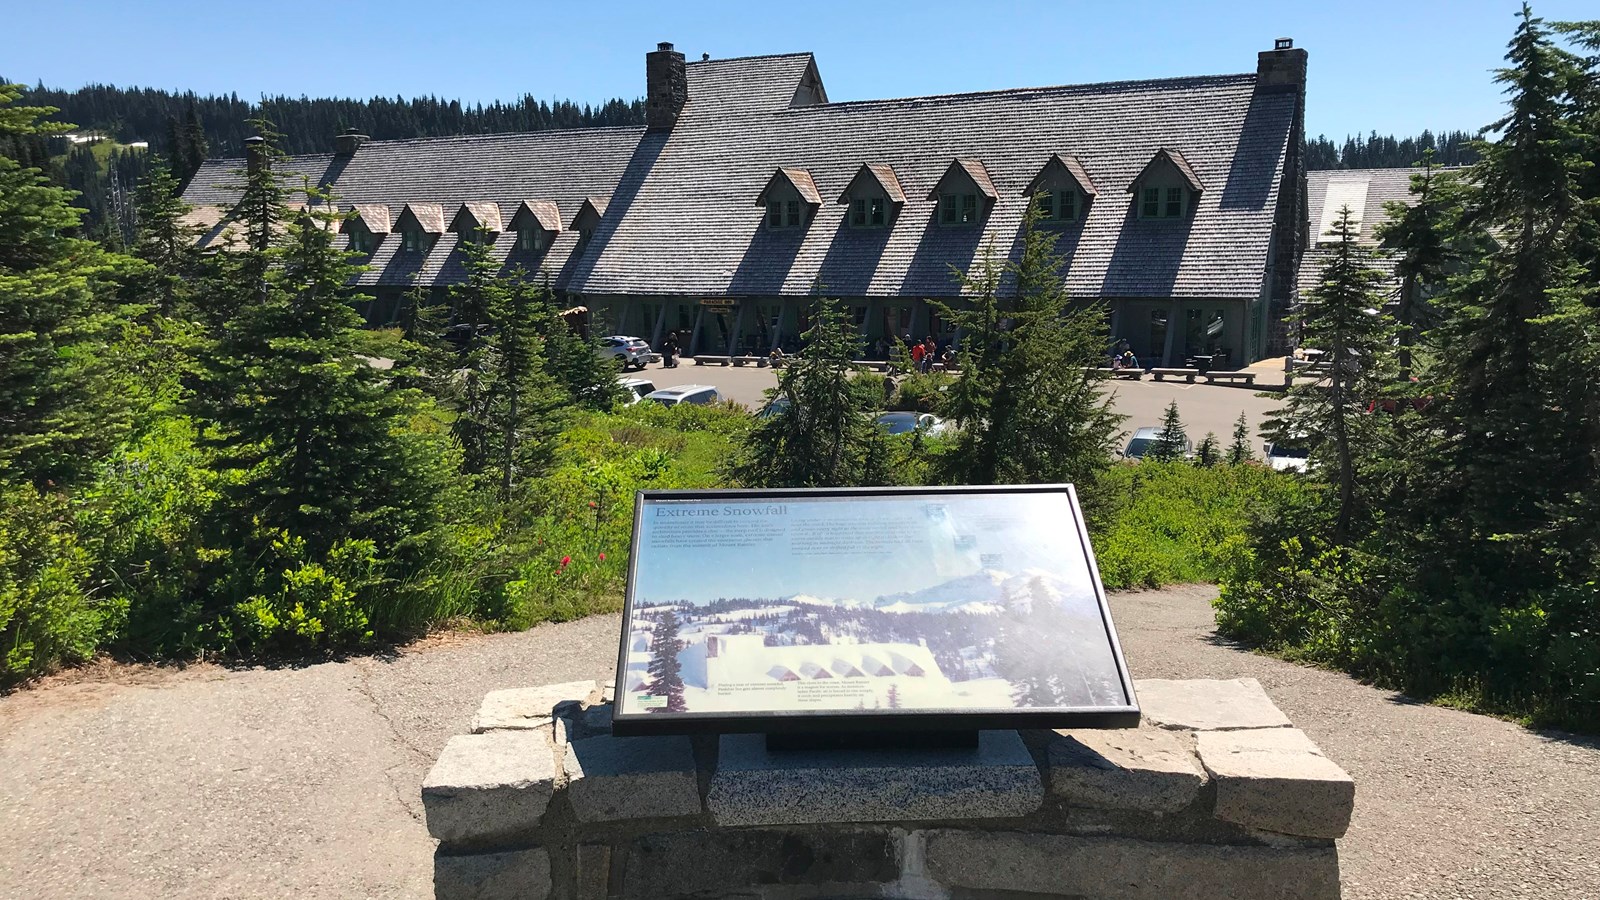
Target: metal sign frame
(1124, 715)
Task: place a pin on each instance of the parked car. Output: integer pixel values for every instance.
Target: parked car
(685, 393)
(637, 389)
(1287, 457)
(629, 352)
(907, 422)
(1145, 438)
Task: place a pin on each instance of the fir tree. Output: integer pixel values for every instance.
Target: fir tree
(1239, 450)
(824, 436)
(1028, 401)
(1209, 453)
(165, 241)
(1418, 233)
(1171, 443)
(573, 360)
(1343, 317)
(525, 406)
(58, 309)
(195, 147)
(664, 668)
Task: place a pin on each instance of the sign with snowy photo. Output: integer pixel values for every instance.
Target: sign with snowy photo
(827, 609)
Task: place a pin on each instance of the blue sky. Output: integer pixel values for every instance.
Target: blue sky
(1392, 66)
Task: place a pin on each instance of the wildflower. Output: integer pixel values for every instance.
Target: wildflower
(602, 557)
(565, 560)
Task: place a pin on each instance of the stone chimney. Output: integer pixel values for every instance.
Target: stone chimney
(1282, 67)
(1282, 70)
(255, 154)
(666, 87)
(348, 142)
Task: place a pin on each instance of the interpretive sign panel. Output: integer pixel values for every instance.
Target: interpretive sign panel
(850, 609)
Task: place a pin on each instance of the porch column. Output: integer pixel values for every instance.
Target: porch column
(1173, 325)
(661, 321)
(738, 326)
(777, 326)
(694, 337)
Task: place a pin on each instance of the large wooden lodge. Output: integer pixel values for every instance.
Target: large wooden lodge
(1180, 203)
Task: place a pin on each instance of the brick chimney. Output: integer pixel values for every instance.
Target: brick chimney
(666, 87)
(255, 154)
(1282, 70)
(348, 142)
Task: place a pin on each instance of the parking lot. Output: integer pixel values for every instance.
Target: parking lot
(1204, 407)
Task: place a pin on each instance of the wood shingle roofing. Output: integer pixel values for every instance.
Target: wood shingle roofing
(798, 179)
(375, 216)
(427, 218)
(673, 215)
(1383, 186)
(876, 178)
(477, 214)
(1165, 157)
(1065, 163)
(545, 214)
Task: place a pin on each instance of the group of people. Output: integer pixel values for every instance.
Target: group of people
(925, 355)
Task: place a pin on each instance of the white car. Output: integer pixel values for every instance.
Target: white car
(629, 352)
(907, 422)
(1287, 458)
(636, 388)
(701, 394)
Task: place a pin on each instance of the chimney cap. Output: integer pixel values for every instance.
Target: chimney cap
(664, 45)
(255, 139)
(1283, 43)
(704, 57)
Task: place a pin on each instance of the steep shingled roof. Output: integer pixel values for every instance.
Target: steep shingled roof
(1232, 137)
(1382, 186)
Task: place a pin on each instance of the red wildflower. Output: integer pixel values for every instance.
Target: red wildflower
(602, 557)
(565, 560)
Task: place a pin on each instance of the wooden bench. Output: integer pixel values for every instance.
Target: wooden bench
(1186, 374)
(1133, 374)
(877, 365)
(703, 359)
(1249, 378)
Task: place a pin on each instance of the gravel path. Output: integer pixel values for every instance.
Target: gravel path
(213, 783)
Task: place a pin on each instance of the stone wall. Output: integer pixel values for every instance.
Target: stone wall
(1215, 796)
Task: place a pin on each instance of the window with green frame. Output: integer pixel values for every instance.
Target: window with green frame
(360, 240)
(869, 212)
(784, 214)
(958, 209)
(530, 237)
(1059, 205)
(411, 240)
(1162, 203)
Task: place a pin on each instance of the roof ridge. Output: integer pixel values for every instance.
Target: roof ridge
(1099, 86)
(728, 59)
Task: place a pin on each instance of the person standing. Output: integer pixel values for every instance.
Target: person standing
(917, 352)
(669, 352)
(930, 351)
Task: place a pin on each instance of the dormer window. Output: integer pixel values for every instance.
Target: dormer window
(964, 193)
(368, 222)
(536, 223)
(869, 212)
(1167, 186)
(419, 225)
(958, 209)
(1059, 205)
(790, 198)
(588, 219)
(873, 196)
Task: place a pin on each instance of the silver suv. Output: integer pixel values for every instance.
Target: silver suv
(629, 352)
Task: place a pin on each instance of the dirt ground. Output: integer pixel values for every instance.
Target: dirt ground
(206, 782)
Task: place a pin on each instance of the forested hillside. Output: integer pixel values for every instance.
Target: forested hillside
(1375, 151)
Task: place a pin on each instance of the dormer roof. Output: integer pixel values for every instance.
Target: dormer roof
(427, 218)
(590, 212)
(799, 179)
(544, 214)
(963, 173)
(1168, 157)
(1060, 164)
(372, 216)
(876, 178)
(477, 214)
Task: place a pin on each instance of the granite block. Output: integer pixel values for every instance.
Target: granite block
(1207, 704)
(511, 875)
(754, 787)
(1277, 780)
(610, 778)
(488, 786)
(1144, 769)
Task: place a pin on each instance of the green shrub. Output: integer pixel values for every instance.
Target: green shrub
(921, 392)
(47, 615)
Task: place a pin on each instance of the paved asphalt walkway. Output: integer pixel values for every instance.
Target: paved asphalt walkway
(211, 783)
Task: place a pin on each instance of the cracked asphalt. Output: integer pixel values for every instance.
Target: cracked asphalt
(207, 782)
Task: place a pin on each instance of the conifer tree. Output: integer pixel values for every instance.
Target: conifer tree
(664, 668)
(165, 241)
(1419, 234)
(1028, 402)
(1209, 452)
(58, 307)
(525, 406)
(1342, 316)
(572, 358)
(1239, 449)
(1513, 388)
(1171, 442)
(824, 436)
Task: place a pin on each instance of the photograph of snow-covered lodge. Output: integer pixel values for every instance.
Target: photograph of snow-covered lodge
(988, 640)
